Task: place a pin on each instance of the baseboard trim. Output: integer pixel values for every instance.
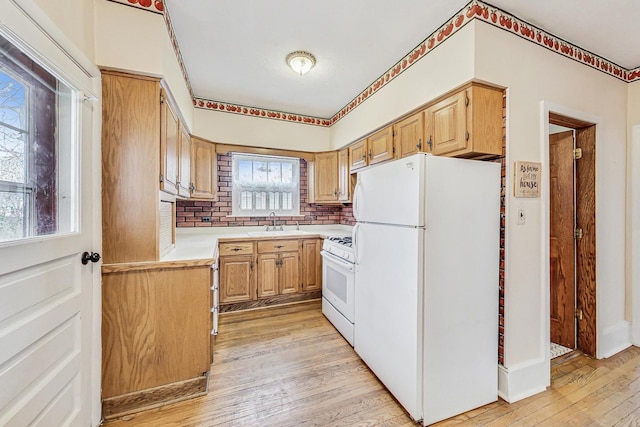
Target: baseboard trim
(271, 301)
(130, 403)
(523, 380)
(614, 339)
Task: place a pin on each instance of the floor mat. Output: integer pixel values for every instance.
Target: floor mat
(557, 350)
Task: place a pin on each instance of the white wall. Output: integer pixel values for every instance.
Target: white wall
(447, 66)
(133, 39)
(75, 19)
(633, 211)
(237, 129)
(535, 75)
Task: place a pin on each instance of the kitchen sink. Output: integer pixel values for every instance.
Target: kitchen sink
(276, 233)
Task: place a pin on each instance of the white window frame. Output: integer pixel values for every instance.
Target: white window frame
(270, 194)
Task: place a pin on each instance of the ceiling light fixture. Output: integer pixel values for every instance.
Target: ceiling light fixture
(301, 61)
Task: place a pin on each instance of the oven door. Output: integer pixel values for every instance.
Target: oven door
(338, 284)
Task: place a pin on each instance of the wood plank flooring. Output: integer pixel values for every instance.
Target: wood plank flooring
(287, 366)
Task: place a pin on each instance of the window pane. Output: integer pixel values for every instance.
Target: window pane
(38, 149)
(13, 167)
(245, 171)
(287, 173)
(12, 216)
(264, 184)
(275, 172)
(12, 101)
(259, 172)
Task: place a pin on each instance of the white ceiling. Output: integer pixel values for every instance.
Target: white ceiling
(234, 50)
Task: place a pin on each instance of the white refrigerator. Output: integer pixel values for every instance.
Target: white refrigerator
(426, 292)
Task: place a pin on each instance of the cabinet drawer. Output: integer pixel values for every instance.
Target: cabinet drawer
(277, 246)
(238, 248)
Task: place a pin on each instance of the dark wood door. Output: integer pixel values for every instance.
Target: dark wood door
(562, 243)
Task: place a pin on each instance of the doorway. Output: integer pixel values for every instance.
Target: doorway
(572, 234)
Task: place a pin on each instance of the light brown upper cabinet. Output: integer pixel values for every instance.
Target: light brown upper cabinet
(203, 169)
(375, 149)
(325, 177)
(381, 146)
(344, 177)
(184, 170)
(358, 155)
(409, 134)
(169, 146)
(467, 123)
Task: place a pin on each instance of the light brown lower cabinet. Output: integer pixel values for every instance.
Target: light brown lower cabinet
(270, 271)
(156, 326)
(311, 263)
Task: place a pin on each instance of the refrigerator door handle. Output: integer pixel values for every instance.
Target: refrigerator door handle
(354, 239)
(356, 198)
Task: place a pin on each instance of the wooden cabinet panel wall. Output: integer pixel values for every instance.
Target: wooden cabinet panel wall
(155, 327)
(204, 173)
(130, 189)
(446, 124)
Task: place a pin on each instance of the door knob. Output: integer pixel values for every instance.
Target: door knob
(93, 257)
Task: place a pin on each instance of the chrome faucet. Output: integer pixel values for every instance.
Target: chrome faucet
(273, 214)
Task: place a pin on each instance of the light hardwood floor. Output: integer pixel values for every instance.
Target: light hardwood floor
(287, 366)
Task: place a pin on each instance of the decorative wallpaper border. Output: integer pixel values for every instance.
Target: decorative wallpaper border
(208, 104)
(155, 6)
(176, 49)
(476, 9)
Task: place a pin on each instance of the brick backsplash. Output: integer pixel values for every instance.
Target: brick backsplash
(189, 213)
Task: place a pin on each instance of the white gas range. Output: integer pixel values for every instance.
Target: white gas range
(338, 284)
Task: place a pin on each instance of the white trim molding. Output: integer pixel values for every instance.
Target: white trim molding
(523, 380)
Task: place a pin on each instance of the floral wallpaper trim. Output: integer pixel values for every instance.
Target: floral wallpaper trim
(227, 107)
(475, 9)
(156, 6)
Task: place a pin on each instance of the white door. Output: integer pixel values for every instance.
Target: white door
(47, 220)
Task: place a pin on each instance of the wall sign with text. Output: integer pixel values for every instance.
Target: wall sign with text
(527, 179)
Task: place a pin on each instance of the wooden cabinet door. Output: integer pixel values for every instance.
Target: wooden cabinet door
(169, 146)
(204, 174)
(446, 128)
(268, 275)
(408, 135)
(344, 176)
(288, 276)
(311, 265)
(358, 155)
(184, 171)
(326, 177)
(236, 279)
(380, 146)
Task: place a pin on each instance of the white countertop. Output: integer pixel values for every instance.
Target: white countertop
(202, 242)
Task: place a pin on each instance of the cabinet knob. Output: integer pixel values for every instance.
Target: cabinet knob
(370, 155)
(419, 144)
(279, 246)
(235, 249)
(429, 143)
